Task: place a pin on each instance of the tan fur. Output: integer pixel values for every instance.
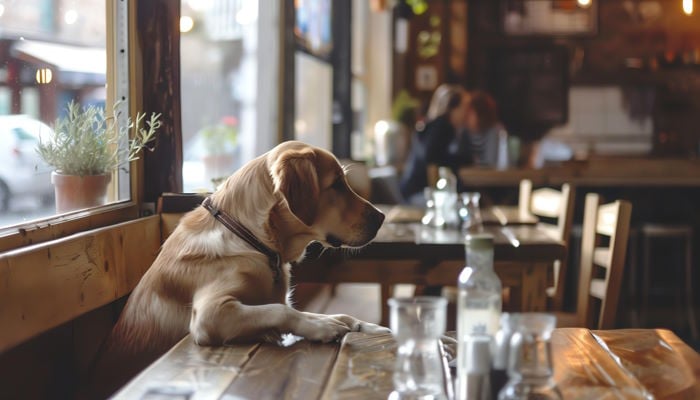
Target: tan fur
(209, 283)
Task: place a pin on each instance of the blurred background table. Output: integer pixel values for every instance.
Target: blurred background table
(360, 367)
(416, 254)
(496, 215)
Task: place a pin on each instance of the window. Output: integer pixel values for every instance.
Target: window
(229, 57)
(52, 53)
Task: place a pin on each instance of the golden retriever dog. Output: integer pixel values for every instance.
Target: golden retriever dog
(209, 282)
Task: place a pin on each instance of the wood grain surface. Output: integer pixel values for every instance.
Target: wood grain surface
(299, 371)
(363, 369)
(189, 371)
(618, 364)
(45, 285)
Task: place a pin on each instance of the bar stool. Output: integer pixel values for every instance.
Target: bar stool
(684, 233)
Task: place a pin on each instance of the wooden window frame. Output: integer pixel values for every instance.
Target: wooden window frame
(148, 36)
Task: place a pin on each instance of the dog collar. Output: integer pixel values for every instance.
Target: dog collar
(235, 226)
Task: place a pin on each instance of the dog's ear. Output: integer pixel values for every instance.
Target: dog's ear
(294, 175)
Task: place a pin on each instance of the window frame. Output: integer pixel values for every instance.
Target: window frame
(59, 226)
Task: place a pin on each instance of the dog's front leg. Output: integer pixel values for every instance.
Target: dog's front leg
(218, 318)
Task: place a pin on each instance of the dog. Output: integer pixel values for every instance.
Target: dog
(219, 287)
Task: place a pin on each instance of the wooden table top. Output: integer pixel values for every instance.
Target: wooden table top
(496, 215)
(588, 365)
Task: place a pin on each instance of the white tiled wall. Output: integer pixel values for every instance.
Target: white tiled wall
(599, 120)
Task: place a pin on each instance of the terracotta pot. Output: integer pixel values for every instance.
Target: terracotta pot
(77, 192)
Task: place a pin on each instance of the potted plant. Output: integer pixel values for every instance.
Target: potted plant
(220, 144)
(86, 147)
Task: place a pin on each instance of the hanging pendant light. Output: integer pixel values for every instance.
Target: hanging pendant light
(688, 7)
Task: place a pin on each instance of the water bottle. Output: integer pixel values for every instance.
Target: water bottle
(479, 300)
(478, 306)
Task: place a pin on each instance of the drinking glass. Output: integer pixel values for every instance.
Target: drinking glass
(417, 324)
(530, 368)
(429, 216)
(470, 212)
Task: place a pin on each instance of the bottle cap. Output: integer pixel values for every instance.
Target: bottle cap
(480, 241)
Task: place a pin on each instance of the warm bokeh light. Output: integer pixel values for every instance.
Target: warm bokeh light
(2, 9)
(584, 3)
(43, 76)
(381, 127)
(186, 23)
(688, 6)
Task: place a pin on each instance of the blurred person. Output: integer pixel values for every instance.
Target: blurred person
(488, 138)
(441, 142)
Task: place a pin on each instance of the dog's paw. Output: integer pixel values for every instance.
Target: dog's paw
(357, 325)
(321, 328)
(368, 327)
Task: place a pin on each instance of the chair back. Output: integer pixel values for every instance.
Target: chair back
(172, 206)
(551, 204)
(611, 220)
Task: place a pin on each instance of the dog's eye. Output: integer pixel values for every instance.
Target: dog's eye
(338, 184)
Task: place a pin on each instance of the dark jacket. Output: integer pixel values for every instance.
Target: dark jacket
(436, 144)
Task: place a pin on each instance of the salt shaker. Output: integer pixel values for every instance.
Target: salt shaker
(473, 380)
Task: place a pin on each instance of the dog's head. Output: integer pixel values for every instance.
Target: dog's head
(314, 186)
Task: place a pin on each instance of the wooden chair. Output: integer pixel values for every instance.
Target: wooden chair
(551, 204)
(613, 221)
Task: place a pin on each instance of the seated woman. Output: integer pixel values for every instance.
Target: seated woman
(488, 138)
(441, 142)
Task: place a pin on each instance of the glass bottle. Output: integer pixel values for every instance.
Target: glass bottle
(445, 199)
(478, 308)
(530, 368)
(417, 324)
(479, 300)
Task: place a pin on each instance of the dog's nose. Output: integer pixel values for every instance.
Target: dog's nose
(375, 220)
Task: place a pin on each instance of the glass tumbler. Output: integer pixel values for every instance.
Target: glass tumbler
(417, 324)
(470, 212)
(530, 369)
(429, 216)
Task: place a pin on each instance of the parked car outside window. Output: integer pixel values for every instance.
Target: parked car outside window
(22, 172)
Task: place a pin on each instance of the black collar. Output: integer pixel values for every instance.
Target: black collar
(244, 233)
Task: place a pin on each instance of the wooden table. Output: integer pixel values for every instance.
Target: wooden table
(496, 215)
(360, 367)
(421, 255)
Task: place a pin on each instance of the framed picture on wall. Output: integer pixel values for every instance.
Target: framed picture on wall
(550, 17)
(426, 77)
